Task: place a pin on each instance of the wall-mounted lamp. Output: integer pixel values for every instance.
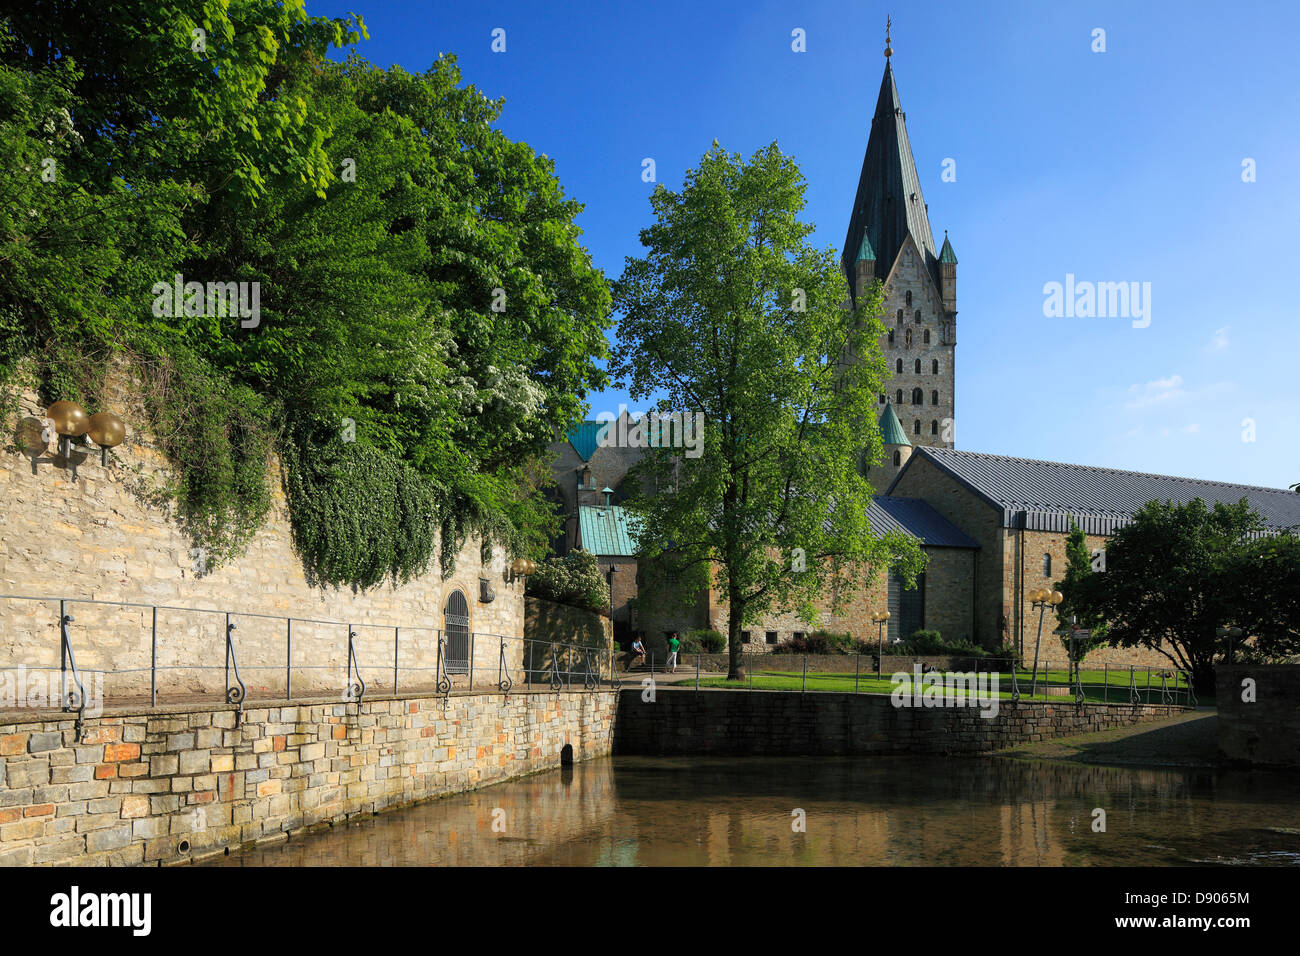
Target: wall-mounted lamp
(69, 421)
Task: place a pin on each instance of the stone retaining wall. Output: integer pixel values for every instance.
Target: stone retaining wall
(772, 723)
(164, 784)
(1265, 730)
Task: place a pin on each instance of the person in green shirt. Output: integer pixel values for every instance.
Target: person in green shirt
(674, 645)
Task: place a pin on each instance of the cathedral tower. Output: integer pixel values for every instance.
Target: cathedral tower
(889, 239)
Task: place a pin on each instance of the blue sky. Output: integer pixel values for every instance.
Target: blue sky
(1122, 166)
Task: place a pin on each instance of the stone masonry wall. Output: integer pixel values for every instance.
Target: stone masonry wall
(162, 785)
(103, 535)
(771, 723)
(1267, 729)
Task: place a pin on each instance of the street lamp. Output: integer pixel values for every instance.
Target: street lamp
(880, 619)
(1041, 598)
(69, 421)
(1232, 634)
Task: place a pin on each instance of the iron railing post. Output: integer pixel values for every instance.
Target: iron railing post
(397, 639)
(857, 667)
(288, 658)
(804, 687)
(472, 646)
(153, 661)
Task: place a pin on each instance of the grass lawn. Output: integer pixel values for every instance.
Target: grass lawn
(867, 683)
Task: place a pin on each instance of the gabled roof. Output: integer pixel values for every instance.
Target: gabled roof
(888, 206)
(582, 437)
(915, 517)
(891, 429)
(1043, 495)
(607, 531)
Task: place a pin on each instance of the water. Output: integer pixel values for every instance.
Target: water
(894, 811)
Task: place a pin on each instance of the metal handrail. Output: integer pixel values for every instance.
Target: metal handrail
(355, 689)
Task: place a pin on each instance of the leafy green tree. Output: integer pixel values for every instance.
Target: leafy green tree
(733, 315)
(1078, 566)
(1264, 577)
(1176, 573)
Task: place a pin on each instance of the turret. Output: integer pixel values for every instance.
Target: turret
(948, 276)
(864, 268)
(896, 452)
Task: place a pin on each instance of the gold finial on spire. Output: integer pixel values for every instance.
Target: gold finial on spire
(889, 50)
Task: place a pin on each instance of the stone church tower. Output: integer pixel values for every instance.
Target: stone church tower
(889, 239)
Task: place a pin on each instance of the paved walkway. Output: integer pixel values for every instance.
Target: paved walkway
(1189, 739)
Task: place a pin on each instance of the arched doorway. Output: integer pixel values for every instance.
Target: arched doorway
(456, 625)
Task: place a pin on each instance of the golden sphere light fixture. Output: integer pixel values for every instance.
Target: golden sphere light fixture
(30, 438)
(107, 431)
(70, 419)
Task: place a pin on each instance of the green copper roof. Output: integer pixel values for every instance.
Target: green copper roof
(865, 251)
(891, 429)
(946, 254)
(583, 438)
(607, 530)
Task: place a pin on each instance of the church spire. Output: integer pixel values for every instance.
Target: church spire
(888, 206)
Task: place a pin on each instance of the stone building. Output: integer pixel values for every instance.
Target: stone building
(993, 527)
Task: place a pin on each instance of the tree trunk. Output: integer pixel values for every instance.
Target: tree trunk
(735, 666)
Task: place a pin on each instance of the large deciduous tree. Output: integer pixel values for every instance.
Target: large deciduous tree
(1178, 572)
(732, 314)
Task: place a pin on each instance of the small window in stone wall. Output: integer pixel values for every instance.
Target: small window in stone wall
(934, 367)
(909, 298)
(934, 397)
(898, 367)
(882, 398)
(891, 338)
(898, 458)
(770, 637)
(918, 366)
(898, 398)
(934, 427)
(918, 322)
(744, 637)
(927, 335)
(799, 635)
(1047, 565)
(916, 429)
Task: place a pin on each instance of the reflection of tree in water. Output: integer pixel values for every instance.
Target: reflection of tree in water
(864, 810)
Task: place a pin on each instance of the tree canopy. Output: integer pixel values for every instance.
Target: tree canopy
(428, 318)
(734, 316)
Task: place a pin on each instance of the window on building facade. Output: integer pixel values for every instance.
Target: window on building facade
(918, 366)
(900, 316)
(927, 336)
(918, 396)
(916, 428)
(891, 338)
(934, 367)
(934, 428)
(898, 398)
(918, 316)
(770, 637)
(898, 458)
(934, 397)
(1047, 565)
(744, 637)
(909, 298)
(908, 338)
(882, 398)
(898, 367)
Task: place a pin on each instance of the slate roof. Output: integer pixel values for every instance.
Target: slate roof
(1042, 495)
(607, 531)
(888, 205)
(916, 518)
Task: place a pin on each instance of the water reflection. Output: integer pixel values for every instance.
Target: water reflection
(690, 811)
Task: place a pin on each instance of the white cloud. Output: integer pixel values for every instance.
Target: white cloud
(1154, 393)
(1219, 340)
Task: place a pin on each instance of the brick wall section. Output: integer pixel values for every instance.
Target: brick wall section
(101, 537)
(773, 723)
(1266, 731)
(138, 784)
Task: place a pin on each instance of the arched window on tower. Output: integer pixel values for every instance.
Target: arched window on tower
(934, 367)
(898, 457)
(891, 338)
(898, 367)
(909, 298)
(927, 336)
(908, 338)
(918, 396)
(934, 428)
(898, 399)
(1047, 565)
(934, 397)
(918, 316)
(882, 398)
(918, 366)
(900, 316)
(916, 428)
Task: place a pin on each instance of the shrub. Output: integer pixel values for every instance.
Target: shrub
(574, 579)
(818, 642)
(708, 640)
